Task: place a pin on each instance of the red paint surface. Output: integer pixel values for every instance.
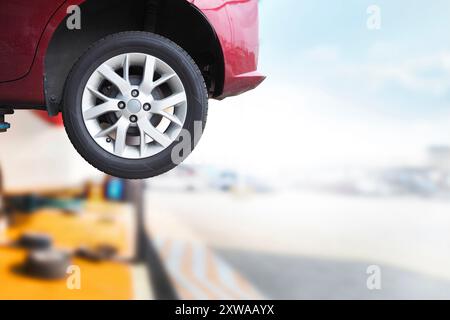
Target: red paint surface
(236, 23)
(57, 120)
(22, 24)
(29, 25)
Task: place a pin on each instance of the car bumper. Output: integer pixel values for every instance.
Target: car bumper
(237, 27)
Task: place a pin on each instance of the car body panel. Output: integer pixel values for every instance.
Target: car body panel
(22, 23)
(29, 90)
(234, 21)
(237, 26)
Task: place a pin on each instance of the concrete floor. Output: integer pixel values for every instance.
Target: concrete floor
(296, 277)
(305, 246)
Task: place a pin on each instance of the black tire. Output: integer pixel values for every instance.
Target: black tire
(101, 51)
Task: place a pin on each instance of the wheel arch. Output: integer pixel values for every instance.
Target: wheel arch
(100, 18)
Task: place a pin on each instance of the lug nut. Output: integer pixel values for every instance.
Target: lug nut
(135, 93)
(147, 106)
(121, 105)
(133, 119)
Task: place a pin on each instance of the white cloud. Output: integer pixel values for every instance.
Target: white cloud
(430, 74)
(384, 67)
(322, 53)
(292, 128)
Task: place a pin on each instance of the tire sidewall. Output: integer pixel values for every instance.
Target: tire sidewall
(102, 51)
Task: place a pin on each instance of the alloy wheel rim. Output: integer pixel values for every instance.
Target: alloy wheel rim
(134, 105)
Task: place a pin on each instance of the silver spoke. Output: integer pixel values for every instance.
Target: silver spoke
(126, 68)
(149, 72)
(145, 125)
(168, 102)
(98, 94)
(142, 145)
(163, 79)
(173, 118)
(100, 109)
(121, 136)
(108, 72)
(105, 132)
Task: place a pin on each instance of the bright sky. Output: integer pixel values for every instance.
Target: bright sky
(327, 44)
(337, 93)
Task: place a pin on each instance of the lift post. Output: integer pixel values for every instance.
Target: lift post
(4, 125)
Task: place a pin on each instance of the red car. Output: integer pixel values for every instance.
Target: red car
(131, 78)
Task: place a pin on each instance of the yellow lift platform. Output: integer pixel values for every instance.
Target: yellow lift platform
(98, 224)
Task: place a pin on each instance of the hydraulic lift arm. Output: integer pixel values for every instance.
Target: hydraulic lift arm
(4, 125)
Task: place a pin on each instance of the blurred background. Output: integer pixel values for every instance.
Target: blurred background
(338, 162)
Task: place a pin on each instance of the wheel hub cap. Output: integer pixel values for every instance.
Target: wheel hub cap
(134, 106)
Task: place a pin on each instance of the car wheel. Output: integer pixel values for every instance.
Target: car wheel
(128, 102)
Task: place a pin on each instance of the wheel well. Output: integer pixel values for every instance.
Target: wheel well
(177, 20)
